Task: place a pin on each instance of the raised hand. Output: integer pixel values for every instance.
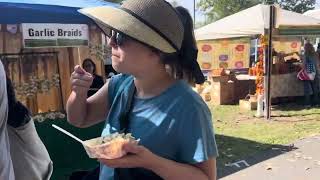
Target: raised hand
(80, 80)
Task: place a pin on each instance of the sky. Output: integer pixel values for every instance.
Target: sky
(189, 5)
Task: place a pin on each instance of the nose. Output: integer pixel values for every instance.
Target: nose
(111, 41)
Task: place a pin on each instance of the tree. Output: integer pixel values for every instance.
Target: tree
(217, 9)
(174, 3)
(299, 6)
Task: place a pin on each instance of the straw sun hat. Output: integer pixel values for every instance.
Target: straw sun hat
(152, 22)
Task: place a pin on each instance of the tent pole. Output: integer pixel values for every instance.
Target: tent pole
(256, 41)
(268, 65)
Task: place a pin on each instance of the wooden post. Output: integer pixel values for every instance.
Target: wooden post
(268, 65)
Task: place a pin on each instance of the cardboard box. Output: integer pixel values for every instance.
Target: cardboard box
(222, 91)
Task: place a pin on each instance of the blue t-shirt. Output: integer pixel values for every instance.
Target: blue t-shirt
(176, 124)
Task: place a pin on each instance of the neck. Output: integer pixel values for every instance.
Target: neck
(153, 84)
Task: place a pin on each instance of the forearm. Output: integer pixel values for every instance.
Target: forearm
(171, 170)
(77, 109)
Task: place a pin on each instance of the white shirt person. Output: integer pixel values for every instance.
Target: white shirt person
(6, 168)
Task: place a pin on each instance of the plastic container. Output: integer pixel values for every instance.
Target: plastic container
(107, 150)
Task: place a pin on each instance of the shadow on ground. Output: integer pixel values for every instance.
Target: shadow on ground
(69, 155)
(292, 107)
(300, 112)
(236, 154)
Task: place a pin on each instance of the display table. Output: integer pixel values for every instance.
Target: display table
(243, 77)
(227, 90)
(286, 85)
(282, 85)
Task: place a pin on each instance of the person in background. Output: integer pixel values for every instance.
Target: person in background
(89, 66)
(318, 70)
(29, 155)
(310, 62)
(318, 49)
(154, 49)
(6, 167)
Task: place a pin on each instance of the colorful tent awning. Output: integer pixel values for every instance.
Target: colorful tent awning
(46, 11)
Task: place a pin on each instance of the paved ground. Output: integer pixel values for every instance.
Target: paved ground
(300, 161)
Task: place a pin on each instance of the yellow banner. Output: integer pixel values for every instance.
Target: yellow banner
(287, 45)
(227, 53)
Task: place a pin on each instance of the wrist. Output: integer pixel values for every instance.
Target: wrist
(160, 166)
(81, 93)
(153, 163)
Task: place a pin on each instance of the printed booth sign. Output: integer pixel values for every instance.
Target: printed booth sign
(37, 35)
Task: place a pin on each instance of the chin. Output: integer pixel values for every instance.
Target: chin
(120, 69)
(116, 67)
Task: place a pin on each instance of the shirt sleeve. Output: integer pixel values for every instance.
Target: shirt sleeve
(3, 96)
(196, 135)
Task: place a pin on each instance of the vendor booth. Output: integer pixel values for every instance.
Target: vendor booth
(40, 43)
(239, 44)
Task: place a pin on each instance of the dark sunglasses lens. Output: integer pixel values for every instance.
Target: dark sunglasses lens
(120, 38)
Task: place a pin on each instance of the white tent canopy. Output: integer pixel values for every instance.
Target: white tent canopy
(252, 21)
(315, 13)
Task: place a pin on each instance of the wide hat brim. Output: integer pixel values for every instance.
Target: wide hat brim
(114, 18)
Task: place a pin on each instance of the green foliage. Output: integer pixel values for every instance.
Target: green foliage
(174, 3)
(217, 9)
(299, 6)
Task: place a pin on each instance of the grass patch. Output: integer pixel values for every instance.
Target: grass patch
(241, 134)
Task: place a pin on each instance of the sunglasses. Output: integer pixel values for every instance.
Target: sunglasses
(119, 38)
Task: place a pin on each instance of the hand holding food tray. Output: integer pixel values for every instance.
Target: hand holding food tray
(107, 147)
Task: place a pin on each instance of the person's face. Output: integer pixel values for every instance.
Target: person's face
(88, 66)
(128, 55)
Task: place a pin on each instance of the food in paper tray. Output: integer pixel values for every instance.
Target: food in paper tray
(108, 147)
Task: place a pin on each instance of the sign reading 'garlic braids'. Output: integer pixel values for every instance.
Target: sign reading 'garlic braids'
(36, 35)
